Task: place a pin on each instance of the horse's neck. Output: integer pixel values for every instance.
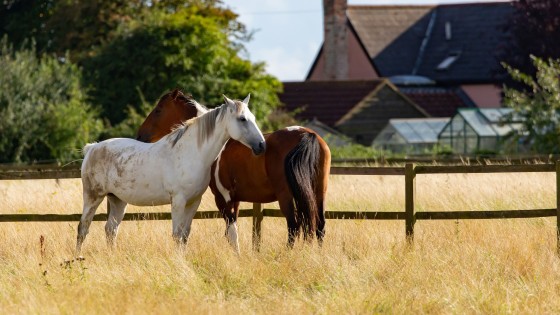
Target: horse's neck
(208, 149)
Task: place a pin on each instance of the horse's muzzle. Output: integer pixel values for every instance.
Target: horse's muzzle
(260, 148)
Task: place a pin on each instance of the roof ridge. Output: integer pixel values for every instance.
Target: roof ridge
(474, 3)
(391, 6)
(423, 6)
(338, 82)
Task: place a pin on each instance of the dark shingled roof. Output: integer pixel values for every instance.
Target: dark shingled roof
(438, 101)
(394, 35)
(391, 35)
(326, 101)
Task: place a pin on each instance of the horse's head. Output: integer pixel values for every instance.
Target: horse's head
(172, 109)
(242, 126)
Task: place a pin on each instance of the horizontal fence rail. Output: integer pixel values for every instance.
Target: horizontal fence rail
(409, 215)
(454, 159)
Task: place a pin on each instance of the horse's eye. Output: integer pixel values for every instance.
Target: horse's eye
(243, 118)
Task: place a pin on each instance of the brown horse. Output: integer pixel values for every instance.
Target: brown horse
(293, 171)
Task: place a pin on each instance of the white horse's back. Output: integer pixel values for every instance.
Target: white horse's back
(129, 169)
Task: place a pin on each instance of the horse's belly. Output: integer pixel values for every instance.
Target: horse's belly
(260, 195)
(143, 199)
(140, 193)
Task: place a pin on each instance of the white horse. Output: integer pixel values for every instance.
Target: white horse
(175, 170)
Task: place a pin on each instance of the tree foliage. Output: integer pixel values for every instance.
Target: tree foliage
(43, 110)
(80, 27)
(538, 104)
(183, 49)
(534, 29)
(152, 46)
(64, 27)
(125, 54)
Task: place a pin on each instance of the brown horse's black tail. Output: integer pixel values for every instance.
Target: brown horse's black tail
(301, 167)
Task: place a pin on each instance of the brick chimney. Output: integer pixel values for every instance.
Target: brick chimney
(335, 46)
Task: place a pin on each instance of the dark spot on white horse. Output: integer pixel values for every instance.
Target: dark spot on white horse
(91, 187)
(98, 161)
(120, 169)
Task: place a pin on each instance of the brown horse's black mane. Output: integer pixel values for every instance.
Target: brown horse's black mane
(207, 123)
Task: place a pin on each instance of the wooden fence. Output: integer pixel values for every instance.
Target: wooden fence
(409, 215)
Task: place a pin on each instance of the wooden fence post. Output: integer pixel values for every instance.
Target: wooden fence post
(257, 220)
(410, 194)
(558, 207)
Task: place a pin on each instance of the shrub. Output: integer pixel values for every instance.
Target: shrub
(43, 110)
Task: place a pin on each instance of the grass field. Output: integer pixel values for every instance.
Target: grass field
(484, 266)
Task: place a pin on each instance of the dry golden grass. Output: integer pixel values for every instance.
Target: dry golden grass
(484, 266)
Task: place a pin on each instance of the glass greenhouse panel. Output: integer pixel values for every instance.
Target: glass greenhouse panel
(489, 144)
(478, 123)
(408, 132)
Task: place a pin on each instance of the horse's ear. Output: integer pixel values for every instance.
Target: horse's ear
(227, 100)
(175, 93)
(246, 100)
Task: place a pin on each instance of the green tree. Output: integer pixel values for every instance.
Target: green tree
(126, 46)
(66, 27)
(134, 118)
(186, 49)
(43, 110)
(533, 28)
(538, 104)
(80, 27)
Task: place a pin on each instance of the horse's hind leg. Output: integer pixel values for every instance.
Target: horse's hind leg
(118, 208)
(90, 205)
(321, 221)
(288, 209)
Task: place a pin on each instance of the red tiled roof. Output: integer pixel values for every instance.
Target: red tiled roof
(326, 101)
(437, 101)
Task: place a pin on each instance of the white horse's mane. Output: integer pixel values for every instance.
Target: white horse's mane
(206, 123)
(201, 109)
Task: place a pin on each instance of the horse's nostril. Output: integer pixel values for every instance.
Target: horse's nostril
(260, 148)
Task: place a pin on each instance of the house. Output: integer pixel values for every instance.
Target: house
(452, 45)
(410, 136)
(358, 109)
(484, 130)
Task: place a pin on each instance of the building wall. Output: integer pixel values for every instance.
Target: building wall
(367, 121)
(359, 65)
(484, 95)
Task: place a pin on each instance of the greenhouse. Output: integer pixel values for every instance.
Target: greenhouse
(477, 130)
(410, 136)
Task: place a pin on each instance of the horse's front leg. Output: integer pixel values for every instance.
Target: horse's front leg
(229, 210)
(231, 225)
(182, 214)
